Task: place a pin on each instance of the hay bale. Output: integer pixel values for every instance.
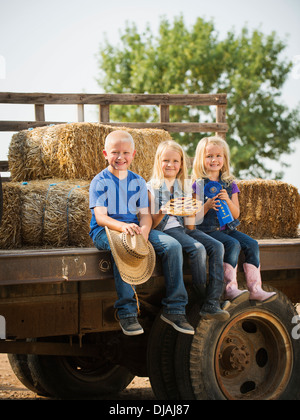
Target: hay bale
(56, 213)
(74, 151)
(269, 209)
(10, 227)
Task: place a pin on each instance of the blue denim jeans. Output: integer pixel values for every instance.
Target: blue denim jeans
(170, 252)
(215, 251)
(198, 245)
(235, 241)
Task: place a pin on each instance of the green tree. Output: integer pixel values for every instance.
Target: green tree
(249, 67)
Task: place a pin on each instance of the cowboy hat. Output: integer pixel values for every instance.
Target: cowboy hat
(134, 257)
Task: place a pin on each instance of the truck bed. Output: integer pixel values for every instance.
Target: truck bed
(44, 265)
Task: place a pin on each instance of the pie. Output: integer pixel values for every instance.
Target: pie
(182, 206)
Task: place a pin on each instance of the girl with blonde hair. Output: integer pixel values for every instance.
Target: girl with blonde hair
(170, 180)
(212, 163)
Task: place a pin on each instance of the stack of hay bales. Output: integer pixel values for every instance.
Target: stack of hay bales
(47, 202)
(269, 209)
(74, 151)
(45, 213)
(10, 227)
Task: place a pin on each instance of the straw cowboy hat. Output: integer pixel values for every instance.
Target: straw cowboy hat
(134, 257)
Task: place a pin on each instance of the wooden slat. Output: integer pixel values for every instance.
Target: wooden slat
(24, 125)
(106, 98)
(104, 113)
(3, 166)
(178, 127)
(171, 127)
(80, 113)
(164, 113)
(221, 118)
(39, 112)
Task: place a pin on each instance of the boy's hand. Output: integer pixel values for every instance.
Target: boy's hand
(131, 228)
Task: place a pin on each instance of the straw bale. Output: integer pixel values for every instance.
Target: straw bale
(55, 212)
(269, 209)
(10, 227)
(74, 151)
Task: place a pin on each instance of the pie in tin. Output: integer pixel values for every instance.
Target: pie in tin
(182, 206)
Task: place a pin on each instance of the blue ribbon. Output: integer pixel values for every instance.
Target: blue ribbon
(212, 189)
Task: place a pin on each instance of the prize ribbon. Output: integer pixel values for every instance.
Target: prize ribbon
(212, 189)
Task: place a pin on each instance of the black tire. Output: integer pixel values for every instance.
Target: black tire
(250, 356)
(160, 360)
(78, 378)
(19, 365)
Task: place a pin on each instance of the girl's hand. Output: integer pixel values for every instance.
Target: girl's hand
(163, 210)
(213, 203)
(223, 195)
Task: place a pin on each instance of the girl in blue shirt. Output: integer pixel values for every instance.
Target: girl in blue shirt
(212, 163)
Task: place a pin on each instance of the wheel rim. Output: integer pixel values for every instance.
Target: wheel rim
(88, 369)
(254, 357)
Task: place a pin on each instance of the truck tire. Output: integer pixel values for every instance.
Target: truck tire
(252, 356)
(160, 360)
(78, 378)
(19, 365)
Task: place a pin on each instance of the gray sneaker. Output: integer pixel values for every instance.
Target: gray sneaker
(179, 322)
(131, 326)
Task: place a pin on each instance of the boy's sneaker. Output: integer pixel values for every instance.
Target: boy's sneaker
(179, 322)
(213, 311)
(131, 326)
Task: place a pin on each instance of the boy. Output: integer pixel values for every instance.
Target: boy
(116, 196)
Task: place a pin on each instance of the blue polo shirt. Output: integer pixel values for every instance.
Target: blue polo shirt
(123, 197)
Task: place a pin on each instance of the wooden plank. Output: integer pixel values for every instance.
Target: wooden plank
(106, 98)
(3, 166)
(164, 113)
(39, 112)
(104, 113)
(171, 127)
(178, 127)
(221, 118)
(80, 112)
(24, 125)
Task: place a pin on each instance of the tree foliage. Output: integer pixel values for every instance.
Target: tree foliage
(249, 67)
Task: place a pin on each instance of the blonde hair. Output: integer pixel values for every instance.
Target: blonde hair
(157, 174)
(118, 135)
(198, 166)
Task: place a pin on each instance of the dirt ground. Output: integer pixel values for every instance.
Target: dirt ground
(12, 389)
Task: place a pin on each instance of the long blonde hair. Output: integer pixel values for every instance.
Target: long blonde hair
(198, 166)
(157, 173)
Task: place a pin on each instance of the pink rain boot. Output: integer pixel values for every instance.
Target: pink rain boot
(253, 279)
(232, 292)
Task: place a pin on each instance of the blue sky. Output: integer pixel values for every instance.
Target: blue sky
(50, 46)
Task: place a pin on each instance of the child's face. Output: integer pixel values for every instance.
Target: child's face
(213, 159)
(119, 154)
(171, 164)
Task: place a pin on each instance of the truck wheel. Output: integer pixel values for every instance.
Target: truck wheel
(160, 360)
(252, 356)
(75, 377)
(19, 365)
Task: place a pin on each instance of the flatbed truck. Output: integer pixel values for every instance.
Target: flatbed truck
(62, 335)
